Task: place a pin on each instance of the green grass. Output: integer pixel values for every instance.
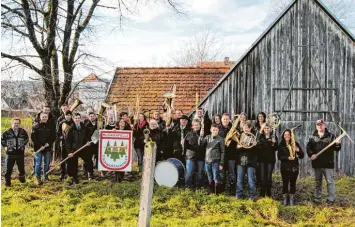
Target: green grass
(104, 203)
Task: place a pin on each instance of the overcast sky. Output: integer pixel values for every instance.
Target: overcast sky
(154, 36)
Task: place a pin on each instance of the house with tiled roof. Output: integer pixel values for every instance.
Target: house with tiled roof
(151, 83)
(91, 91)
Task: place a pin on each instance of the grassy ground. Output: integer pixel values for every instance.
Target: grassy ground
(105, 203)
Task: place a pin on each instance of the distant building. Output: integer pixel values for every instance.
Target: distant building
(91, 91)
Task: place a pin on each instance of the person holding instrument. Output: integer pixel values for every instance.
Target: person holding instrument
(289, 152)
(323, 164)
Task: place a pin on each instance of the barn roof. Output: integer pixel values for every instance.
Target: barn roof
(150, 84)
(92, 78)
(258, 40)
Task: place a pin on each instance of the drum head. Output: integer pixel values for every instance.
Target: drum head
(166, 174)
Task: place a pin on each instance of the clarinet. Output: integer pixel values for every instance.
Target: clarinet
(182, 138)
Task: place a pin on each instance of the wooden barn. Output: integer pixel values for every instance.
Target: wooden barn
(302, 67)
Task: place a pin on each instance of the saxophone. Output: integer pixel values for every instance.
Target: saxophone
(292, 145)
(232, 133)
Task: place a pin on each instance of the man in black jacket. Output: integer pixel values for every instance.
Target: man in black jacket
(76, 138)
(160, 121)
(62, 131)
(93, 149)
(14, 139)
(178, 134)
(43, 135)
(323, 164)
(231, 154)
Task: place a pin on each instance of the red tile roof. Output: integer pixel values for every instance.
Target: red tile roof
(91, 78)
(152, 83)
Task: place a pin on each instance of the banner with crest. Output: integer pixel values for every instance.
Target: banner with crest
(115, 150)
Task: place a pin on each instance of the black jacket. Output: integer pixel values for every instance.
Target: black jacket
(41, 134)
(266, 149)
(52, 122)
(76, 138)
(157, 136)
(215, 148)
(138, 134)
(90, 127)
(231, 150)
(15, 145)
(283, 154)
(316, 144)
(161, 123)
(194, 151)
(175, 135)
(109, 127)
(59, 129)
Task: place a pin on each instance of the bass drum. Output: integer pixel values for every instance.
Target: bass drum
(167, 173)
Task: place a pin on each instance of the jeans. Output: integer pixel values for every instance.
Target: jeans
(9, 165)
(140, 157)
(328, 174)
(46, 156)
(266, 170)
(191, 169)
(212, 170)
(289, 179)
(230, 167)
(241, 170)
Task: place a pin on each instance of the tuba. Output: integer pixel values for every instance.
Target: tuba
(101, 120)
(169, 103)
(76, 103)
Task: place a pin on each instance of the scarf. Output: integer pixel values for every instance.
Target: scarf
(141, 124)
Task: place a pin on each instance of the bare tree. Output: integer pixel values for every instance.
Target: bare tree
(204, 46)
(49, 36)
(344, 10)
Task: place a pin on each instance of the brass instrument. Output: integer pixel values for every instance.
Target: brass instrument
(76, 103)
(274, 121)
(169, 103)
(292, 145)
(65, 128)
(247, 140)
(137, 110)
(232, 133)
(146, 134)
(101, 120)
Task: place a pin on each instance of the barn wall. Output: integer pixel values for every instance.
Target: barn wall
(261, 80)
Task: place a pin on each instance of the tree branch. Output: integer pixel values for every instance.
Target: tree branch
(22, 61)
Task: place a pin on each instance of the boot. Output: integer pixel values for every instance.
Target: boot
(284, 202)
(22, 179)
(292, 199)
(90, 176)
(218, 189)
(39, 182)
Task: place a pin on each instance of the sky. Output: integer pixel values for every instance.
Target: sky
(154, 35)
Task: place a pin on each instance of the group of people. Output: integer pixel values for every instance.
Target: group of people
(200, 143)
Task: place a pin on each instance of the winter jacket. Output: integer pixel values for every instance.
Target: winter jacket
(138, 134)
(283, 154)
(90, 127)
(266, 149)
(194, 151)
(76, 138)
(157, 136)
(161, 123)
(59, 129)
(15, 145)
(176, 137)
(316, 144)
(41, 134)
(231, 150)
(215, 148)
(52, 122)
